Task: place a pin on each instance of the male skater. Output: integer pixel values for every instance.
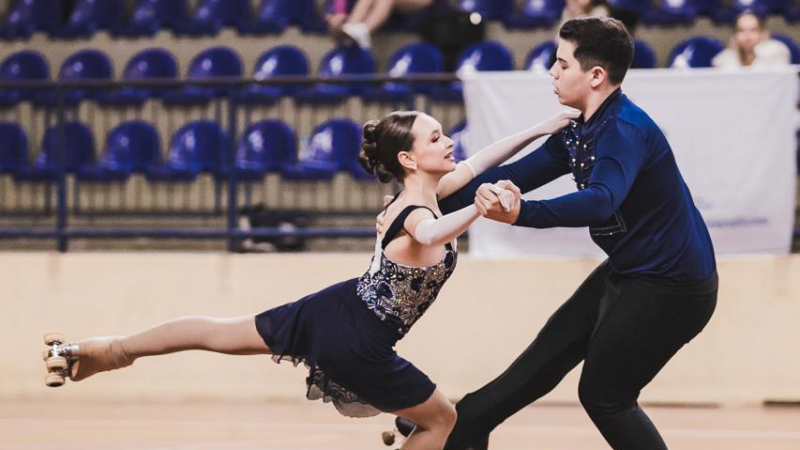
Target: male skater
(658, 287)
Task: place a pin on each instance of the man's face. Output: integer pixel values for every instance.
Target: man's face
(748, 32)
(572, 85)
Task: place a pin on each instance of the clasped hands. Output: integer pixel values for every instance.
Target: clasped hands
(499, 202)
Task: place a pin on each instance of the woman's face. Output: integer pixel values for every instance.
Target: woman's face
(433, 152)
(748, 33)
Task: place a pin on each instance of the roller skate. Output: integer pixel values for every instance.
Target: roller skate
(402, 426)
(83, 359)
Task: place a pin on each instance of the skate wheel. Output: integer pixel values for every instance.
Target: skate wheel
(53, 338)
(388, 437)
(54, 379)
(56, 363)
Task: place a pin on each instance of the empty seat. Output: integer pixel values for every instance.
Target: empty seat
(542, 57)
(25, 17)
(266, 146)
(333, 147)
(279, 61)
(413, 59)
(78, 152)
(131, 147)
(211, 15)
(83, 65)
(481, 56)
(643, 55)
(150, 16)
(197, 147)
(24, 65)
(537, 14)
(13, 148)
(340, 62)
(149, 64)
(89, 16)
(675, 12)
(215, 62)
(695, 52)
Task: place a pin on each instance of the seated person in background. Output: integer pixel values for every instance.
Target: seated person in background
(751, 46)
(368, 15)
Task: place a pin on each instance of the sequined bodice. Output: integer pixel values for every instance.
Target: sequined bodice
(400, 294)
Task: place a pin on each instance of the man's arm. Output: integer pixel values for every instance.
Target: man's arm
(621, 151)
(541, 166)
(620, 156)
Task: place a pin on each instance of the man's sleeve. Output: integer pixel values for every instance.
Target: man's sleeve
(538, 168)
(621, 151)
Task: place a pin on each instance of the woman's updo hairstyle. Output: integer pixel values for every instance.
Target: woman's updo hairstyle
(383, 140)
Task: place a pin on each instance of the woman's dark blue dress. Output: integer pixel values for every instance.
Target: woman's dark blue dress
(345, 334)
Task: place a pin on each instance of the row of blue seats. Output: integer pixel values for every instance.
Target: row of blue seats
(535, 13)
(272, 16)
(197, 147)
(286, 60)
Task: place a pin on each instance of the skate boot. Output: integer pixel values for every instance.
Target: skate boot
(83, 359)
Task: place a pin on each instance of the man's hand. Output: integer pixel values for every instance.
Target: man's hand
(379, 220)
(489, 206)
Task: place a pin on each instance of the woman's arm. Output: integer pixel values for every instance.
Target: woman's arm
(428, 230)
(499, 152)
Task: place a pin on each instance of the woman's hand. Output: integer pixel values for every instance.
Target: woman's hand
(557, 123)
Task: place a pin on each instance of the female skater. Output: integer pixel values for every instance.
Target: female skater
(345, 334)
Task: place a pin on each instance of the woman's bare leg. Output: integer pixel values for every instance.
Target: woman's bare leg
(233, 336)
(435, 419)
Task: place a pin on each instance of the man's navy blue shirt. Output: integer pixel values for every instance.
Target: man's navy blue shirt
(630, 193)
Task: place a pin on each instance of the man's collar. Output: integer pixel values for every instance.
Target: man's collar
(601, 111)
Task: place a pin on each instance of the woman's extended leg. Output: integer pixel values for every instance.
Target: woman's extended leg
(233, 336)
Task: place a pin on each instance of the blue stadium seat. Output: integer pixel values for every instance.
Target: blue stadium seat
(542, 57)
(482, 56)
(695, 52)
(537, 14)
(196, 147)
(488, 9)
(675, 12)
(150, 16)
(340, 62)
(791, 44)
(26, 17)
(727, 14)
(643, 55)
(641, 7)
(271, 17)
(81, 65)
(211, 15)
(413, 59)
(88, 16)
(24, 65)
(13, 148)
(215, 62)
(267, 146)
(279, 61)
(78, 147)
(333, 147)
(131, 147)
(456, 134)
(708, 8)
(149, 64)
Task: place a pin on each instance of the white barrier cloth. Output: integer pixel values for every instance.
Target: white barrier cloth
(733, 135)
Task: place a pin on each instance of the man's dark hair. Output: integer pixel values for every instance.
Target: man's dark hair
(600, 41)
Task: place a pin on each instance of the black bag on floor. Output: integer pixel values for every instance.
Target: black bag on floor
(259, 216)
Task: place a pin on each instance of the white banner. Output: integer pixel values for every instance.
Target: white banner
(733, 135)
